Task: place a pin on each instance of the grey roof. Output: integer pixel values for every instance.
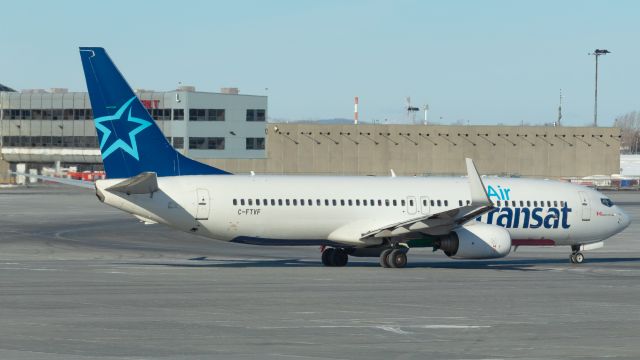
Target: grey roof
(6, 88)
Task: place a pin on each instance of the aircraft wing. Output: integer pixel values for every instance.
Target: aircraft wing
(443, 222)
(73, 182)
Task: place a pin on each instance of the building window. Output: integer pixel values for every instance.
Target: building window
(161, 114)
(178, 142)
(206, 143)
(178, 114)
(256, 115)
(215, 114)
(197, 114)
(255, 143)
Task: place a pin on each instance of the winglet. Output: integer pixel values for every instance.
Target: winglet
(479, 195)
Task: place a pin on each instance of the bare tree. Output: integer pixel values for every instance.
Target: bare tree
(629, 125)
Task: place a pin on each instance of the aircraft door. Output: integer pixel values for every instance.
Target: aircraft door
(424, 205)
(586, 208)
(202, 205)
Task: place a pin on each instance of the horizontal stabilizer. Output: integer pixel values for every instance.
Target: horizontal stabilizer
(145, 183)
(72, 182)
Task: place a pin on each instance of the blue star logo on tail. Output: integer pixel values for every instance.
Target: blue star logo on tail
(122, 124)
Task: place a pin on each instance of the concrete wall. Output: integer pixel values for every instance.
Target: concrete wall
(551, 152)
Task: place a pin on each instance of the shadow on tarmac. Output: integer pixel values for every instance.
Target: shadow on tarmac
(516, 264)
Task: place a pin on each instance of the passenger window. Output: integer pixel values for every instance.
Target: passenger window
(242, 202)
(439, 203)
(326, 202)
(372, 202)
(498, 203)
(535, 203)
(555, 203)
(402, 203)
(424, 202)
(410, 202)
(528, 203)
(235, 202)
(249, 202)
(257, 202)
(341, 202)
(364, 202)
(309, 202)
(432, 203)
(286, 201)
(273, 202)
(357, 202)
(548, 203)
(446, 203)
(295, 202)
(379, 202)
(395, 202)
(350, 202)
(301, 202)
(335, 203)
(386, 202)
(318, 202)
(459, 202)
(513, 203)
(468, 202)
(561, 203)
(521, 203)
(279, 202)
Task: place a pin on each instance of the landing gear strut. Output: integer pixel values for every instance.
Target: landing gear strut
(394, 258)
(334, 257)
(576, 256)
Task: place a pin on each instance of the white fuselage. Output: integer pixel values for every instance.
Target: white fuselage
(305, 210)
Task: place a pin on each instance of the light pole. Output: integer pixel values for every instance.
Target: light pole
(596, 53)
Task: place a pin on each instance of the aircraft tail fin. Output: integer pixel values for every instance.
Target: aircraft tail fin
(130, 140)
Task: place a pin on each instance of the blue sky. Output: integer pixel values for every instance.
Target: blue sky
(482, 62)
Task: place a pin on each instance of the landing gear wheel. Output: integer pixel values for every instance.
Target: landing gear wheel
(578, 258)
(397, 258)
(384, 255)
(327, 257)
(339, 258)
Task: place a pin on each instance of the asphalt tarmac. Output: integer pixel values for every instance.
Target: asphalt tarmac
(80, 280)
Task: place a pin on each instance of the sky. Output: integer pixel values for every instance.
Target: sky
(472, 62)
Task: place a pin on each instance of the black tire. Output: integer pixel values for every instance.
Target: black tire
(397, 258)
(327, 256)
(572, 258)
(340, 258)
(384, 256)
(579, 258)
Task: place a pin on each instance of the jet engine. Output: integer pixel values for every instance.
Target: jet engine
(476, 241)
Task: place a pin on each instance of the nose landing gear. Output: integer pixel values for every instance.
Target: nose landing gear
(576, 256)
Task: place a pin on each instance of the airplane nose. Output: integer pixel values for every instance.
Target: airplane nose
(623, 219)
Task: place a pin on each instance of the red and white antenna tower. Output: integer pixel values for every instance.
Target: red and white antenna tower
(355, 111)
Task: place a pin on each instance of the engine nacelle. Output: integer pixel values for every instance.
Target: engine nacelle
(476, 241)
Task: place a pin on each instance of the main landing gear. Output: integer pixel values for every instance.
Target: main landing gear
(576, 256)
(334, 257)
(394, 258)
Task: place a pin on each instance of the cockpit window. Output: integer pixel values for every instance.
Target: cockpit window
(606, 202)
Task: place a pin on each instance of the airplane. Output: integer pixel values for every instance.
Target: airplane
(470, 217)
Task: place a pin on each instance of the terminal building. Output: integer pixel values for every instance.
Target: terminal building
(43, 127)
(229, 130)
